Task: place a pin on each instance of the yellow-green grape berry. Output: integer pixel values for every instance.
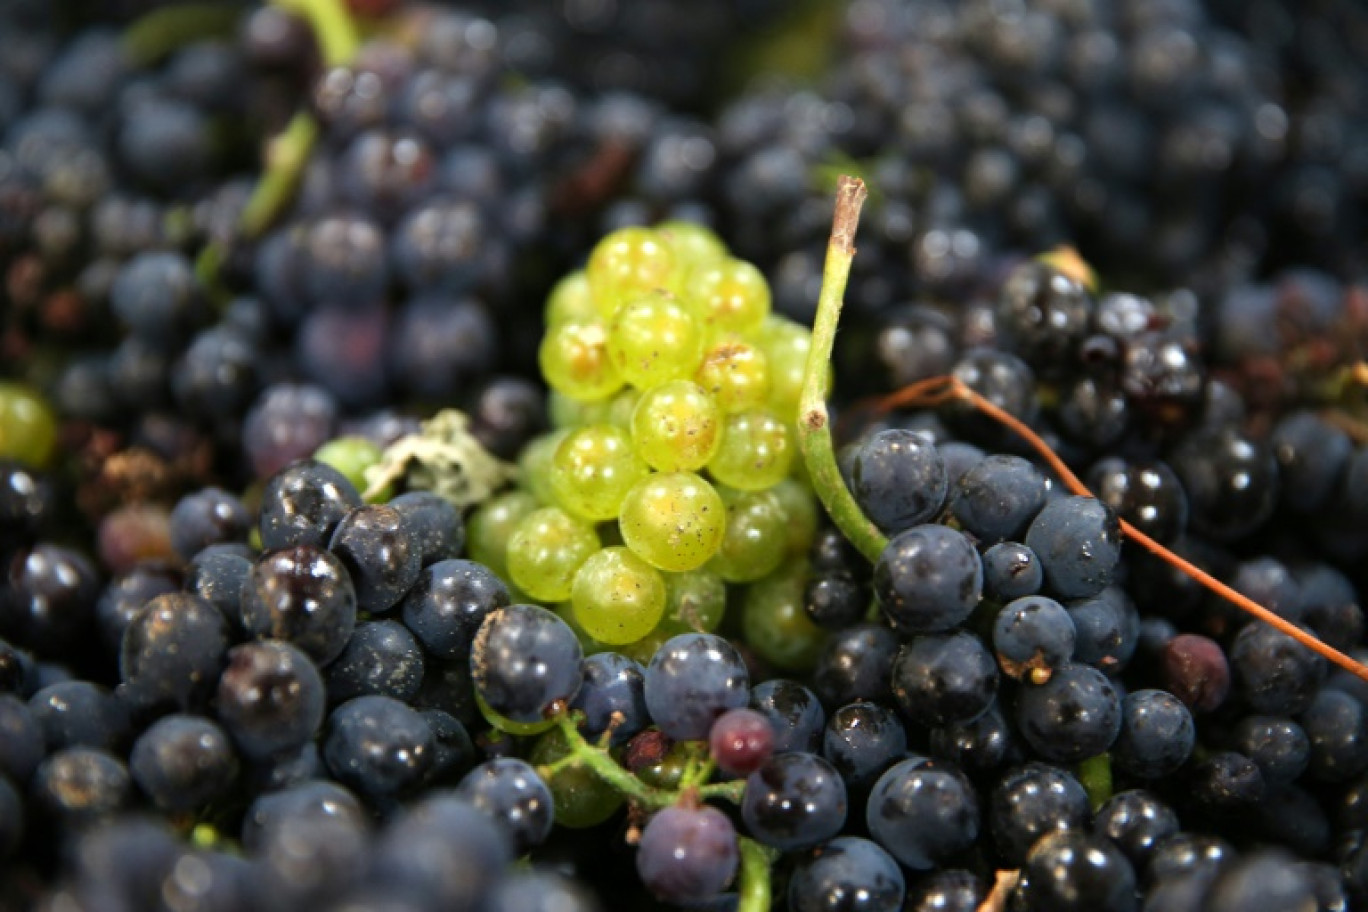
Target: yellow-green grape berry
(729, 296)
(694, 602)
(492, 523)
(735, 373)
(505, 724)
(652, 339)
(28, 426)
(534, 464)
(618, 597)
(626, 263)
(755, 452)
(352, 456)
(755, 538)
(566, 612)
(801, 507)
(786, 345)
(545, 551)
(693, 245)
(774, 623)
(570, 300)
(593, 469)
(673, 520)
(574, 360)
(676, 427)
(565, 412)
(621, 408)
(580, 798)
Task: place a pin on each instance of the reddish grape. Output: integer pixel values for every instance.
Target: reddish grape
(741, 740)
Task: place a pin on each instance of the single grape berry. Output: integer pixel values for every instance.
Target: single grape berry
(687, 855)
(928, 579)
(898, 479)
(525, 663)
(740, 741)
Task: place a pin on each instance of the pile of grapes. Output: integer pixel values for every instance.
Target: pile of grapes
(439, 475)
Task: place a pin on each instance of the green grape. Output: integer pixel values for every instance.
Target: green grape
(736, 374)
(676, 427)
(786, 345)
(565, 412)
(668, 772)
(621, 408)
(28, 426)
(580, 798)
(570, 301)
(534, 464)
(755, 452)
(546, 549)
(626, 263)
(593, 469)
(505, 724)
(801, 508)
(574, 360)
(728, 296)
(673, 520)
(652, 339)
(566, 612)
(694, 602)
(618, 597)
(694, 246)
(756, 535)
(492, 523)
(774, 623)
(352, 456)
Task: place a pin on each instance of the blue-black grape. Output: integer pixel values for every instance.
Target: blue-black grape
(1278, 746)
(691, 680)
(218, 574)
(923, 813)
(1336, 726)
(21, 747)
(381, 657)
(73, 713)
(898, 480)
(944, 679)
(928, 579)
(302, 505)
(948, 890)
(435, 524)
(1266, 879)
(125, 595)
(381, 556)
(998, 497)
(1078, 541)
(1031, 801)
(1148, 495)
(793, 711)
(1274, 674)
(448, 603)
(1032, 636)
(848, 873)
(1156, 737)
(270, 698)
(302, 595)
(454, 753)
(207, 517)
(510, 793)
(172, 653)
(311, 799)
(183, 763)
(525, 663)
(1074, 715)
(1011, 571)
(795, 800)
(378, 746)
(1106, 630)
(687, 855)
(855, 664)
(1137, 821)
(79, 785)
(612, 696)
(861, 741)
(287, 423)
(979, 746)
(1073, 872)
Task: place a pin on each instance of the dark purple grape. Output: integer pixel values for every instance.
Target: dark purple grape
(835, 601)
(303, 503)
(525, 662)
(1311, 454)
(1043, 315)
(1073, 872)
(307, 800)
(692, 679)
(443, 848)
(510, 793)
(156, 297)
(81, 714)
(923, 813)
(1074, 715)
(1267, 879)
(379, 747)
(80, 785)
(1274, 674)
(1148, 495)
(455, 751)
(343, 352)
(944, 679)
(950, 890)
(740, 741)
(996, 499)
(218, 575)
(928, 579)
(376, 546)
(855, 664)
(898, 480)
(51, 599)
(1011, 571)
(183, 763)
(540, 891)
(288, 422)
(207, 517)
(1078, 541)
(26, 503)
(1031, 801)
(1106, 630)
(381, 657)
(172, 653)
(304, 596)
(1231, 482)
(1032, 636)
(1137, 821)
(1226, 782)
(344, 262)
(613, 696)
(847, 873)
(22, 745)
(1194, 669)
(1336, 726)
(439, 345)
(448, 603)
(861, 741)
(218, 375)
(270, 698)
(794, 714)
(687, 855)
(1278, 746)
(435, 524)
(1157, 734)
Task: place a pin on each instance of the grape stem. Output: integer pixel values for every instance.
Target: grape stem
(1095, 775)
(754, 887)
(605, 767)
(332, 26)
(814, 425)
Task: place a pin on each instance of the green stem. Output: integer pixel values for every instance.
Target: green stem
(1096, 776)
(814, 427)
(165, 30)
(285, 160)
(732, 791)
(332, 26)
(754, 885)
(607, 769)
(698, 773)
